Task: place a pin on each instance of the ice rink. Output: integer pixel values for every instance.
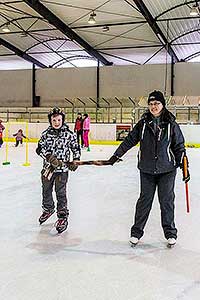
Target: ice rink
(93, 260)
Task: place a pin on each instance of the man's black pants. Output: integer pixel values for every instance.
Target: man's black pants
(165, 186)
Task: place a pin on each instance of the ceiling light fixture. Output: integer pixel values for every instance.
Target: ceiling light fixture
(194, 10)
(24, 34)
(91, 19)
(105, 28)
(6, 28)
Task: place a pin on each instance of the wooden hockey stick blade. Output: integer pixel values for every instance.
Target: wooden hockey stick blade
(93, 162)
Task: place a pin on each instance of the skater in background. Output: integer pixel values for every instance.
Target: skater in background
(55, 146)
(19, 137)
(78, 128)
(1, 133)
(86, 130)
(160, 154)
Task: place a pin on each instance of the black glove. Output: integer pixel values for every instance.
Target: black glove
(113, 159)
(54, 162)
(186, 174)
(186, 178)
(73, 167)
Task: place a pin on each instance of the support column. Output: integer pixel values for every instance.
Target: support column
(172, 76)
(98, 85)
(33, 86)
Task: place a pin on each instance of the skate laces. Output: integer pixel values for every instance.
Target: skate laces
(60, 222)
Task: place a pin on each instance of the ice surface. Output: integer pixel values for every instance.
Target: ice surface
(93, 260)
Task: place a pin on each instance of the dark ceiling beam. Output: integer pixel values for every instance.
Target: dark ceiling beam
(110, 24)
(133, 22)
(21, 54)
(156, 29)
(67, 31)
(184, 34)
(175, 7)
(196, 54)
(27, 31)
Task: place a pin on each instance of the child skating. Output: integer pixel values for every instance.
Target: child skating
(55, 146)
(19, 137)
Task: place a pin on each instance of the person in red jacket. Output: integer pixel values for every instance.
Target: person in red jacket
(1, 133)
(79, 128)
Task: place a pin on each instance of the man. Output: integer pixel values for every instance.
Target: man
(160, 153)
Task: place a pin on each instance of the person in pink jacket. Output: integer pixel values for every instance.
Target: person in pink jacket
(86, 129)
(1, 133)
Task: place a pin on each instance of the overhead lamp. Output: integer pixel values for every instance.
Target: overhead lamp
(161, 38)
(24, 34)
(105, 28)
(91, 19)
(6, 28)
(194, 10)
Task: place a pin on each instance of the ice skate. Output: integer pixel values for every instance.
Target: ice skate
(171, 242)
(61, 225)
(45, 216)
(133, 241)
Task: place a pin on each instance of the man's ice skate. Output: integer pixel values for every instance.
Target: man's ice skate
(133, 241)
(61, 225)
(171, 242)
(45, 216)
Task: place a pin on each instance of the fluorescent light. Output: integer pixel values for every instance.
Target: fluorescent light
(194, 11)
(161, 38)
(91, 19)
(6, 28)
(105, 28)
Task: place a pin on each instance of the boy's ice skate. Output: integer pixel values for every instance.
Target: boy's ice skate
(171, 242)
(45, 216)
(61, 225)
(133, 241)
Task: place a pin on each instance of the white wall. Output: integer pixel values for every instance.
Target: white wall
(16, 88)
(123, 81)
(53, 85)
(106, 132)
(187, 76)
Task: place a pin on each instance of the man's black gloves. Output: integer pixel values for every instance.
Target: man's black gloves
(186, 178)
(185, 168)
(54, 162)
(113, 159)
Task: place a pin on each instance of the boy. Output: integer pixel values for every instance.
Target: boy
(55, 146)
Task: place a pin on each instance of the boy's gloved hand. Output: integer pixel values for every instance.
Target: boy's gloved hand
(73, 167)
(53, 161)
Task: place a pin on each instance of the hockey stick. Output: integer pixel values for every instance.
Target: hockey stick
(185, 164)
(92, 162)
(48, 170)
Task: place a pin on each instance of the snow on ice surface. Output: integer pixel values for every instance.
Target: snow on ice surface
(93, 259)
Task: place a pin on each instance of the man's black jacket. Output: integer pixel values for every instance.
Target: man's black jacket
(160, 150)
